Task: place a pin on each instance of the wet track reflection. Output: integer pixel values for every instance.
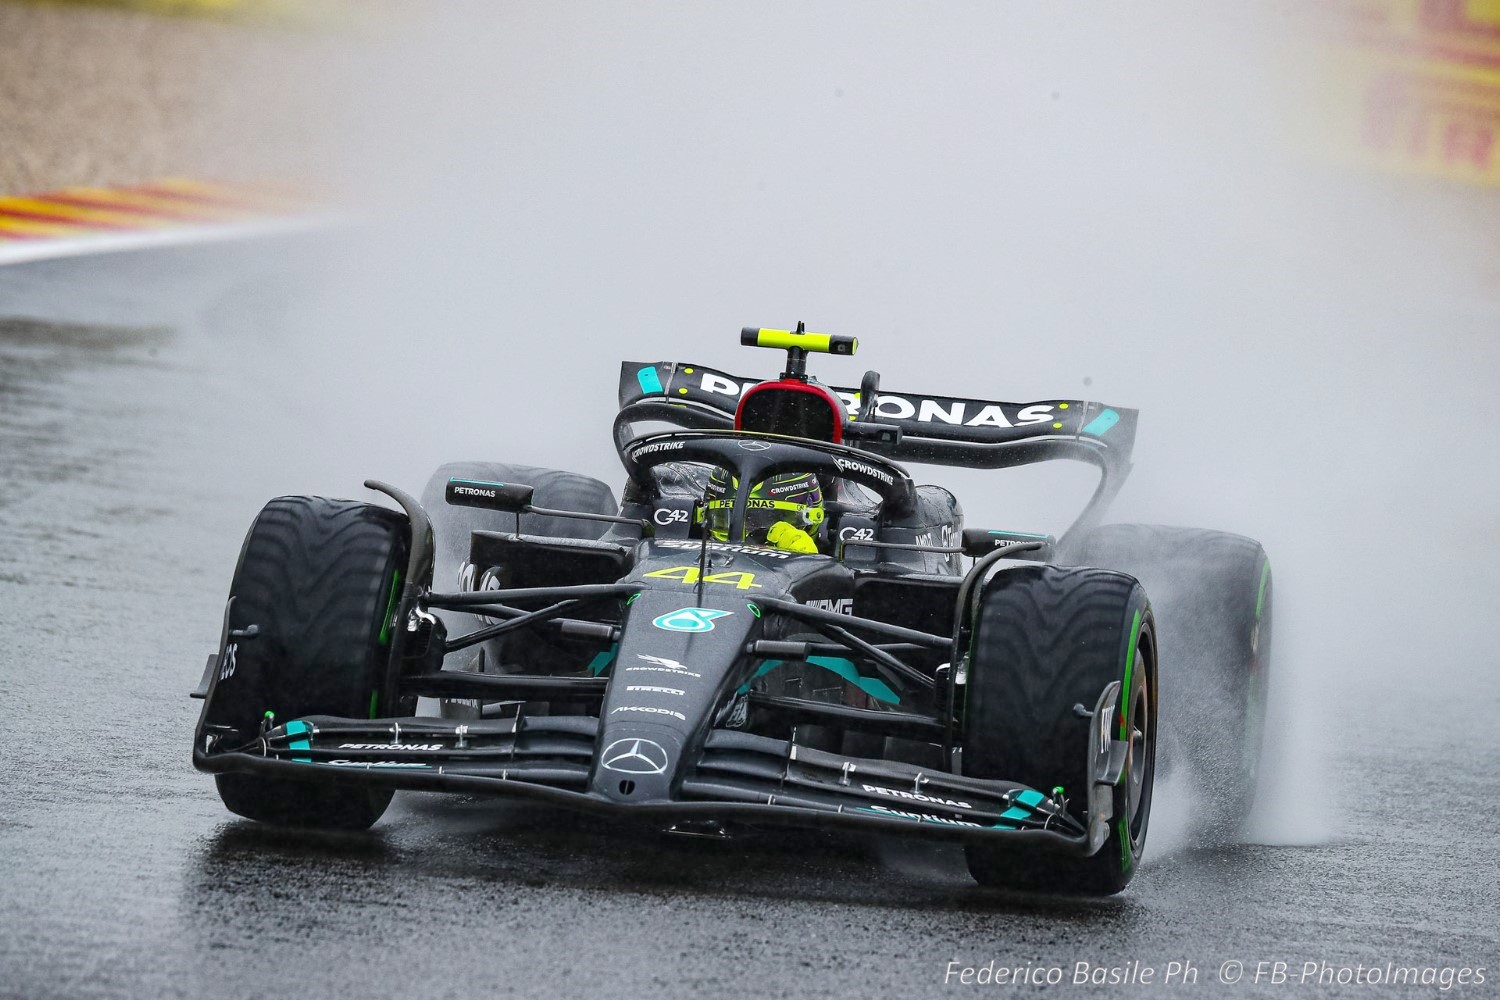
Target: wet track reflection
(136, 451)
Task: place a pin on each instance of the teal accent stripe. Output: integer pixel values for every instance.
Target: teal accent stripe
(649, 380)
(872, 686)
(1019, 534)
(765, 668)
(1030, 798)
(299, 728)
(1102, 422)
(603, 659)
(1135, 632)
(1265, 574)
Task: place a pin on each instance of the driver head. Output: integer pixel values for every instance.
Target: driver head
(792, 498)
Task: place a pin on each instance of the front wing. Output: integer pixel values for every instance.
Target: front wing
(736, 776)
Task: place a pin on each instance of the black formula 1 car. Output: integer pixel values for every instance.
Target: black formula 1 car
(624, 658)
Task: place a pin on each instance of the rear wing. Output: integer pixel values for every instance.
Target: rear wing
(940, 430)
(936, 430)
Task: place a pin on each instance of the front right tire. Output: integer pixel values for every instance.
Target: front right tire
(1046, 639)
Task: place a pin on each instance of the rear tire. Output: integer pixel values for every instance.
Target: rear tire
(1211, 591)
(554, 488)
(320, 579)
(452, 525)
(1046, 639)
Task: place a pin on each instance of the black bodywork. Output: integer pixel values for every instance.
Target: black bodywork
(698, 683)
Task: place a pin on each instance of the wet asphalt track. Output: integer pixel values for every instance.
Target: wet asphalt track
(137, 438)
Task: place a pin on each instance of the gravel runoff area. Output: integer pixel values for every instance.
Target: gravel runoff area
(99, 95)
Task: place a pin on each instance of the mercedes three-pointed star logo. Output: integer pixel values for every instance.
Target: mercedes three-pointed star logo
(635, 756)
(755, 446)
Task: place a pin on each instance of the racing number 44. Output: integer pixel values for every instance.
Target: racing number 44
(689, 574)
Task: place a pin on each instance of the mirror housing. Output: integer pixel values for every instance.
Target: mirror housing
(512, 498)
(978, 542)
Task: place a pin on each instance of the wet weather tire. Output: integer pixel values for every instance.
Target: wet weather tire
(319, 579)
(1047, 639)
(1211, 591)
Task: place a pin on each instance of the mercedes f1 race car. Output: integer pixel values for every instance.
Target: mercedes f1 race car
(654, 655)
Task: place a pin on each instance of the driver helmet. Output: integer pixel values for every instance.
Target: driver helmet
(791, 498)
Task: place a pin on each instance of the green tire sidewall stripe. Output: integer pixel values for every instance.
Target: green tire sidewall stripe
(1135, 634)
(1127, 849)
(384, 638)
(390, 608)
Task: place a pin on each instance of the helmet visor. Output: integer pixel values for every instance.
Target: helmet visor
(760, 515)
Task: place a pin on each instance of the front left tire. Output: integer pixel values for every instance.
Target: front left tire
(320, 579)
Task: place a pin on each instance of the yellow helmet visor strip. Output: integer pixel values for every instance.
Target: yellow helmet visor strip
(717, 514)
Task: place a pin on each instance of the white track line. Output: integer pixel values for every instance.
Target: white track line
(22, 251)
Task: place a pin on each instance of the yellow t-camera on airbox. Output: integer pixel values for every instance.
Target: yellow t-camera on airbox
(798, 339)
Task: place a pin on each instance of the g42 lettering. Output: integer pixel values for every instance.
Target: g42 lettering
(689, 574)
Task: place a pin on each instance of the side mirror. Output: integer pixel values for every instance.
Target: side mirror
(979, 542)
(510, 497)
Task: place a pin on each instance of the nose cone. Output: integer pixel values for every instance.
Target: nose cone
(675, 667)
